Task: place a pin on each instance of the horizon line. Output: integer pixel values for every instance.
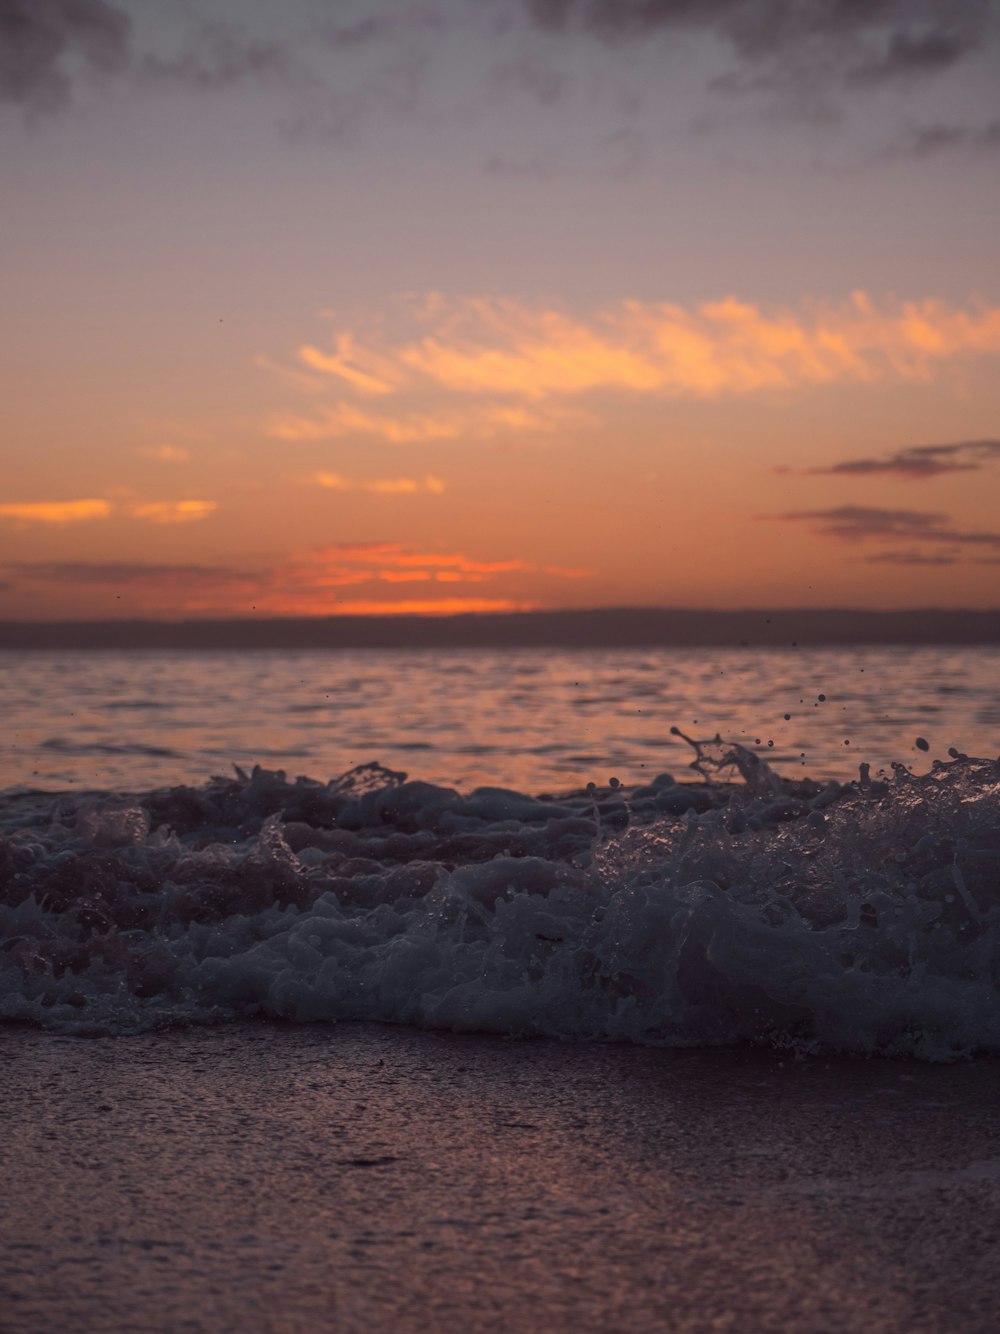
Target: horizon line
(599, 627)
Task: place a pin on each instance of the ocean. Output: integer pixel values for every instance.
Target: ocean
(534, 719)
(797, 849)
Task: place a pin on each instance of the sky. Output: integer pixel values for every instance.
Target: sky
(484, 305)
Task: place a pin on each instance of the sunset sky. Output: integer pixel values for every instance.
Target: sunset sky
(448, 305)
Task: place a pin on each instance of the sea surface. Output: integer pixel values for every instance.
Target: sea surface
(795, 849)
(534, 719)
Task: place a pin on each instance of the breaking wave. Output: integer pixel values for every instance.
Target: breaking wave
(855, 917)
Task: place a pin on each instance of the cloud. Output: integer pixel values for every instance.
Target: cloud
(931, 140)
(863, 523)
(382, 486)
(343, 419)
(216, 55)
(57, 511)
(378, 556)
(417, 606)
(308, 582)
(42, 41)
(919, 461)
(79, 511)
(174, 511)
(907, 54)
(867, 41)
(499, 350)
(374, 375)
(911, 558)
(809, 61)
(47, 45)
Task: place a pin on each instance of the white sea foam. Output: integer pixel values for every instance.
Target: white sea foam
(858, 917)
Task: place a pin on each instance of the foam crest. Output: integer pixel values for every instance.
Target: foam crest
(746, 907)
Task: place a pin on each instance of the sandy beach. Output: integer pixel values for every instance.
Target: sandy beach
(265, 1177)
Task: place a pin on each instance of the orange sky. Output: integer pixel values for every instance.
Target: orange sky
(510, 310)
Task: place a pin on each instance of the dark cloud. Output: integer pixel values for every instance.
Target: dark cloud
(116, 572)
(630, 18)
(217, 55)
(912, 558)
(862, 523)
(41, 41)
(906, 54)
(45, 44)
(919, 461)
(925, 141)
(863, 41)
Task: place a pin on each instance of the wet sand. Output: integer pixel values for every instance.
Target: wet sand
(278, 1178)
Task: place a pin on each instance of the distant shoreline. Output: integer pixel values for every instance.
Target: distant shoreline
(616, 627)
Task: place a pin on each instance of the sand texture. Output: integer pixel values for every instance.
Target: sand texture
(263, 1177)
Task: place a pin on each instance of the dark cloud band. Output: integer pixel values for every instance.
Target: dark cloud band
(919, 461)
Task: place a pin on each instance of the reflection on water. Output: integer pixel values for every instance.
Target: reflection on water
(529, 718)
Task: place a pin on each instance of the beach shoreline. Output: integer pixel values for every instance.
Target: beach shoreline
(267, 1176)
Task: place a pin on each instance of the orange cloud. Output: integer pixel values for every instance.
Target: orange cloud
(363, 369)
(174, 511)
(393, 561)
(309, 583)
(57, 511)
(344, 419)
(382, 486)
(509, 350)
(398, 556)
(431, 607)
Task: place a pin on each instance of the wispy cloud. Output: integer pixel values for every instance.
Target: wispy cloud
(338, 70)
(936, 138)
(174, 511)
(909, 53)
(864, 523)
(289, 606)
(362, 369)
(502, 351)
(918, 462)
(215, 54)
(311, 581)
(57, 511)
(79, 511)
(343, 419)
(382, 486)
(912, 558)
(345, 577)
(872, 42)
(47, 45)
(375, 557)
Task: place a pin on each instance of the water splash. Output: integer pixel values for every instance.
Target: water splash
(860, 917)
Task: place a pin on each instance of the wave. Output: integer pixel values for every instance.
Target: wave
(743, 906)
